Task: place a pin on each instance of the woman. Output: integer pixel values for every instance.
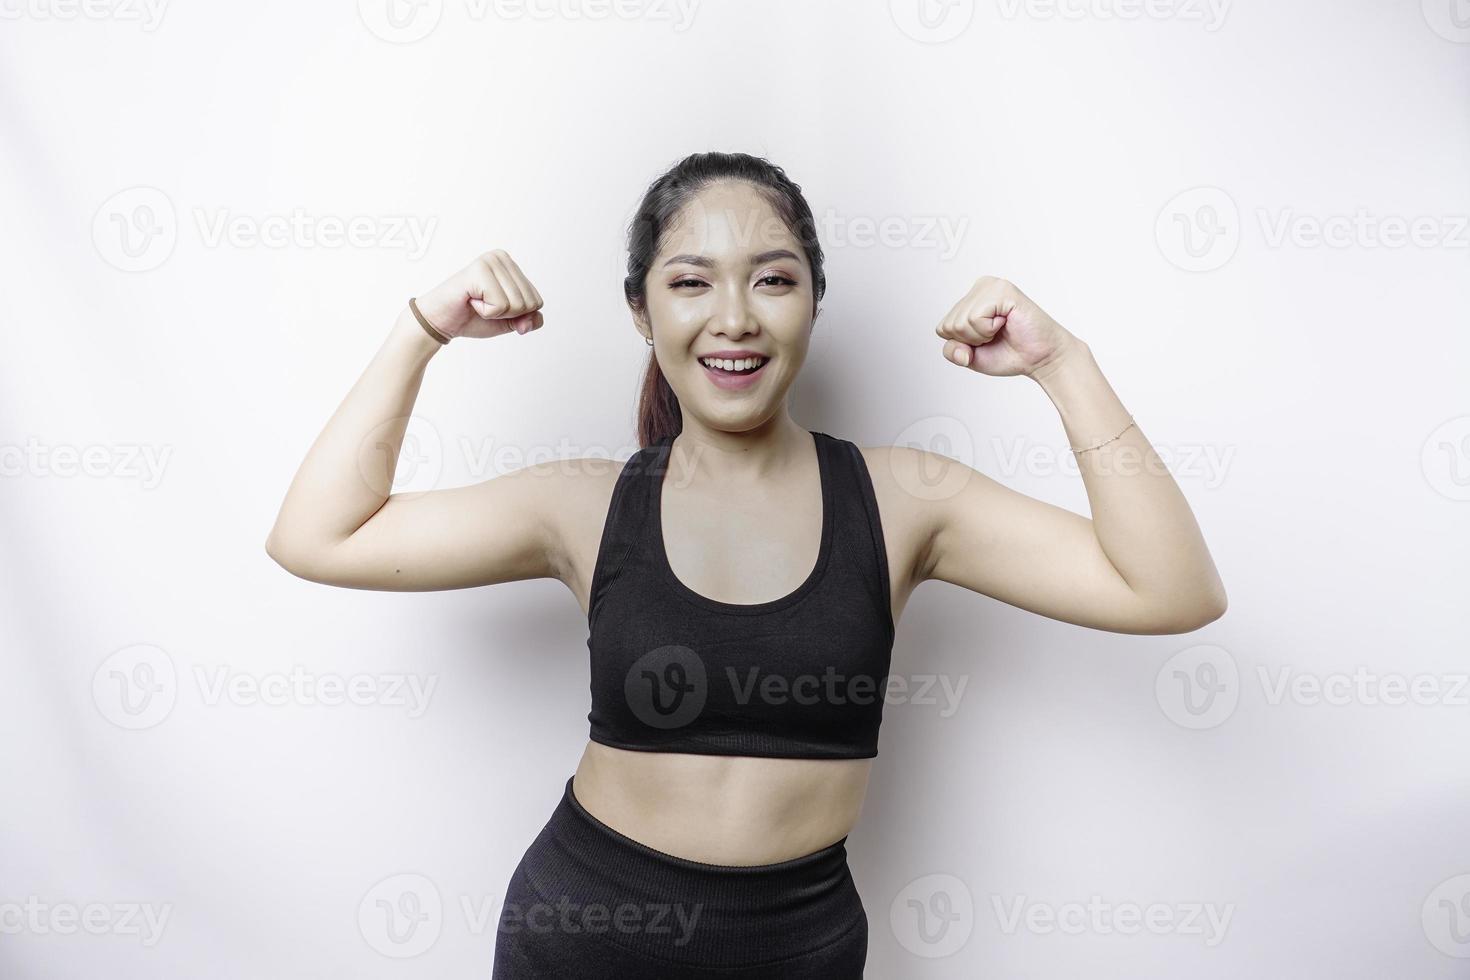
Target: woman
(736, 680)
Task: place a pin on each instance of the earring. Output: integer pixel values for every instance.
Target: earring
(648, 341)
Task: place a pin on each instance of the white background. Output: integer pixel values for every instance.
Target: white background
(1311, 397)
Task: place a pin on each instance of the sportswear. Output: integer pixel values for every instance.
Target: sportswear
(586, 901)
(800, 676)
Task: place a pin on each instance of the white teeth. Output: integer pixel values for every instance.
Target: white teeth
(729, 365)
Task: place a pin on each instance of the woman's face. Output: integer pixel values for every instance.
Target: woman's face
(730, 281)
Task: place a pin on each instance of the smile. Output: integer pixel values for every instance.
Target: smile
(734, 374)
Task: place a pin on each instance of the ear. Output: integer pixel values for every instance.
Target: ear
(640, 323)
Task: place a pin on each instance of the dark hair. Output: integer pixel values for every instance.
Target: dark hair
(659, 414)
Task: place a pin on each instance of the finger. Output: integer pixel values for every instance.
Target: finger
(484, 310)
(508, 284)
(528, 291)
(950, 322)
(493, 302)
(959, 353)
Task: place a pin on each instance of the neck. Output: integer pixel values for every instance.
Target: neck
(725, 456)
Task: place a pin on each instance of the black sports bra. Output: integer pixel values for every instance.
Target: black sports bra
(802, 676)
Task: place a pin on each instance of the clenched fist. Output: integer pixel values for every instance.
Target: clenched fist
(997, 330)
(486, 298)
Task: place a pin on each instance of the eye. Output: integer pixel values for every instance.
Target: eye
(780, 279)
(684, 282)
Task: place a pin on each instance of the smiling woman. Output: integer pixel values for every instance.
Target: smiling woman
(742, 577)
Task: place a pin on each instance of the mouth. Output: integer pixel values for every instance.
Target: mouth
(734, 373)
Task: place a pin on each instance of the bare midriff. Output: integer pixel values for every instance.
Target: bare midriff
(722, 809)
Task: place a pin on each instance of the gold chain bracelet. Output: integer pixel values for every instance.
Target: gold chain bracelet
(1105, 441)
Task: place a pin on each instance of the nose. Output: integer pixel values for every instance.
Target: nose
(733, 316)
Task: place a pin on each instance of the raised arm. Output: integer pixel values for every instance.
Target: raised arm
(1139, 565)
(340, 525)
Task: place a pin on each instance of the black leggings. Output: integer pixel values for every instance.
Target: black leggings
(588, 901)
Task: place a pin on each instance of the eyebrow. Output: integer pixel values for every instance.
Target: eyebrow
(700, 260)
